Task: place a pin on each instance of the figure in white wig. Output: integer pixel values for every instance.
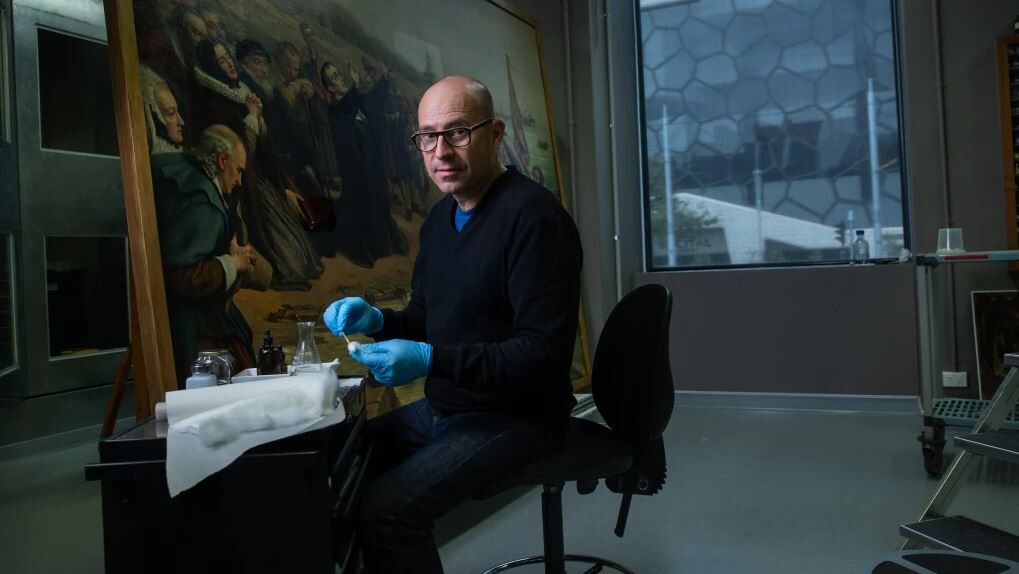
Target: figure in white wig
(163, 121)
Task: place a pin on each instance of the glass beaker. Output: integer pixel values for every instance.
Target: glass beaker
(306, 358)
(230, 360)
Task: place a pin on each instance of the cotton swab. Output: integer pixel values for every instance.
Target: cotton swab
(352, 346)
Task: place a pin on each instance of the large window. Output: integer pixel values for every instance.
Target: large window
(86, 303)
(75, 95)
(772, 131)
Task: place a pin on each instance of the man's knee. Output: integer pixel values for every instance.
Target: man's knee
(374, 504)
(384, 515)
(388, 532)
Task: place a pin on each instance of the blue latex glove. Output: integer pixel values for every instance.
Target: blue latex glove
(352, 315)
(395, 362)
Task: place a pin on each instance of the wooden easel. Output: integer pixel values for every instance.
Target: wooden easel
(151, 351)
(134, 356)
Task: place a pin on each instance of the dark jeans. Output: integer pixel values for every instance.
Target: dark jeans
(425, 465)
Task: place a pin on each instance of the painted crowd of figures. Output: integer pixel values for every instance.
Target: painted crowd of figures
(268, 159)
(328, 150)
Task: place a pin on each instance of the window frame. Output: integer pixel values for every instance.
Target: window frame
(51, 358)
(12, 276)
(895, 12)
(39, 29)
(5, 78)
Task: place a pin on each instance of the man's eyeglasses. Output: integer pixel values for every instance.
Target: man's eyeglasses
(456, 137)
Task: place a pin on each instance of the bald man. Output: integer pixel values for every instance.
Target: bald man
(491, 323)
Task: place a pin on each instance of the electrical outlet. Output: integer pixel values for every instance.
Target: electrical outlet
(950, 379)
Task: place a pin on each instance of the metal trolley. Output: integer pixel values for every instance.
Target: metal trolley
(940, 412)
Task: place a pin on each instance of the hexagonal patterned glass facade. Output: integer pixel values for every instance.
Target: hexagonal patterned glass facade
(772, 131)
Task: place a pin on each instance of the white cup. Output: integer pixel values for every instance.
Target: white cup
(950, 241)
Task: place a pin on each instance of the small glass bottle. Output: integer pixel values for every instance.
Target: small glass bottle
(306, 358)
(267, 356)
(861, 249)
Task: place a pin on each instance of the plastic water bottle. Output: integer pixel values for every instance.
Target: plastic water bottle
(861, 249)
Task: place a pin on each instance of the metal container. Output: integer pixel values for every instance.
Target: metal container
(216, 362)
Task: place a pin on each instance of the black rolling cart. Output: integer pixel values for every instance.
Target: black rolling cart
(285, 506)
(939, 412)
(935, 528)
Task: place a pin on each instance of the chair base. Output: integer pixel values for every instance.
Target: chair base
(598, 563)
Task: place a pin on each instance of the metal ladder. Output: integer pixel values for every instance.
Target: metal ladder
(937, 530)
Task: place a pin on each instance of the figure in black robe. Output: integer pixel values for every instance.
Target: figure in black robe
(365, 228)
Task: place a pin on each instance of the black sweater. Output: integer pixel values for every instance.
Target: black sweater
(498, 302)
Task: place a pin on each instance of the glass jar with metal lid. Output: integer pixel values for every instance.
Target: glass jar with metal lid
(214, 361)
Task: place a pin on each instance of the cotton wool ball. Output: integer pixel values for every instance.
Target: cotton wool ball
(353, 346)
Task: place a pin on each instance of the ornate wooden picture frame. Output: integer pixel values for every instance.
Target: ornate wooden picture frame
(277, 72)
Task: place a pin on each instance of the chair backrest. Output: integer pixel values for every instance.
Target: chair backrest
(631, 379)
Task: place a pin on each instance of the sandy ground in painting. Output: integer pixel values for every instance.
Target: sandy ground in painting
(386, 285)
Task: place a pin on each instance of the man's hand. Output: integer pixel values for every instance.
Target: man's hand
(355, 79)
(395, 362)
(243, 258)
(352, 315)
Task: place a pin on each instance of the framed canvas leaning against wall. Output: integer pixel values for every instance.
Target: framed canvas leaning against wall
(323, 94)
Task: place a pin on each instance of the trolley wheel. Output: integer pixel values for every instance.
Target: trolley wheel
(933, 459)
(933, 447)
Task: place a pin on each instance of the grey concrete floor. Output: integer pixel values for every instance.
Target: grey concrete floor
(748, 491)
(766, 492)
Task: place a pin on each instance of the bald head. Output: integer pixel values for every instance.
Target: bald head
(464, 170)
(470, 89)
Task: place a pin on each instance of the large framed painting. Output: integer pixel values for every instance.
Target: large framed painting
(328, 203)
(995, 333)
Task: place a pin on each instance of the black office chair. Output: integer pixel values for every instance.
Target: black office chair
(631, 383)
